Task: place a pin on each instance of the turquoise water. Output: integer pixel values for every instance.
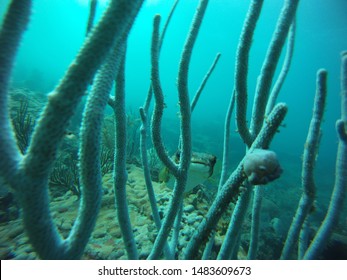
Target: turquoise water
(57, 30)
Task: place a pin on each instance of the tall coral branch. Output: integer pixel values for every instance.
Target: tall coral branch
(120, 174)
(159, 101)
(340, 187)
(144, 127)
(309, 159)
(15, 23)
(241, 69)
(30, 177)
(269, 66)
(181, 171)
(90, 153)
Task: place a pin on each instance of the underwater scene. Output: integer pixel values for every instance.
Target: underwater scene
(173, 129)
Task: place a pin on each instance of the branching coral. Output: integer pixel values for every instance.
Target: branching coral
(23, 124)
(102, 59)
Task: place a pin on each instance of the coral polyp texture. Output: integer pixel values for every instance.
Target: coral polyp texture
(261, 167)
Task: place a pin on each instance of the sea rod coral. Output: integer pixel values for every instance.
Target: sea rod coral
(99, 64)
(28, 175)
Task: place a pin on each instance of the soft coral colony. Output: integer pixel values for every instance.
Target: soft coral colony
(100, 59)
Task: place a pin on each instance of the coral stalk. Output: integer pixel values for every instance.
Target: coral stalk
(92, 11)
(203, 83)
(337, 198)
(269, 66)
(255, 223)
(29, 177)
(14, 25)
(229, 246)
(90, 152)
(159, 101)
(285, 68)
(180, 172)
(144, 128)
(241, 69)
(120, 173)
(308, 164)
(231, 187)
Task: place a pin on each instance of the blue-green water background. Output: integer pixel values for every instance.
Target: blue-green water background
(57, 30)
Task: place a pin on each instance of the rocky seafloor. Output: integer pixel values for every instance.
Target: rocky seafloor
(106, 241)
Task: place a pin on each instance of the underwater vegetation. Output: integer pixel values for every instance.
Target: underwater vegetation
(51, 165)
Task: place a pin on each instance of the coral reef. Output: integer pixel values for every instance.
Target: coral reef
(108, 207)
